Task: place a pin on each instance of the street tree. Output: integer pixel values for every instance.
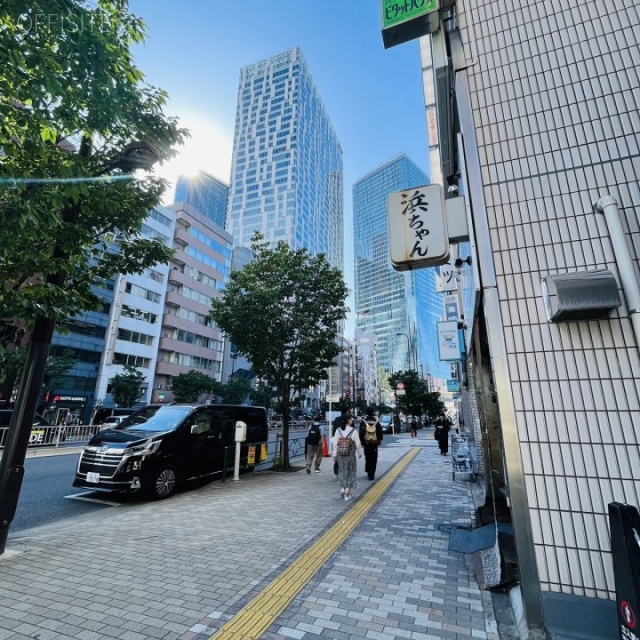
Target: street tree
(416, 399)
(262, 395)
(76, 121)
(188, 387)
(72, 102)
(282, 312)
(235, 391)
(125, 387)
(12, 362)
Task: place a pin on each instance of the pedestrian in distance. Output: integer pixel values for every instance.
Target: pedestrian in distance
(413, 427)
(441, 434)
(313, 443)
(346, 445)
(371, 438)
(340, 420)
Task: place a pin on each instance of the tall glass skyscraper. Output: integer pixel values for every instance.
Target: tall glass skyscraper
(286, 174)
(206, 194)
(400, 308)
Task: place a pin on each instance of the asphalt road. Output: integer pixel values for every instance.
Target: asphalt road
(47, 481)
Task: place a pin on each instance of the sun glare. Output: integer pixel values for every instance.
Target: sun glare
(208, 149)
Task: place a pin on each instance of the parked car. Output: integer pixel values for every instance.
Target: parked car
(42, 430)
(113, 421)
(159, 447)
(386, 422)
(102, 415)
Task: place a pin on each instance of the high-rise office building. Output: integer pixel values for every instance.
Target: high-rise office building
(401, 309)
(286, 175)
(206, 194)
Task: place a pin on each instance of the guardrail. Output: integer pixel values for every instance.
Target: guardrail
(55, 436)
(78, 435)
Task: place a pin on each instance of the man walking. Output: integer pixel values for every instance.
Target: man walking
(371, 438)
(314, 446)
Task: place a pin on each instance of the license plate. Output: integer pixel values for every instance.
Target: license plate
(93, 477)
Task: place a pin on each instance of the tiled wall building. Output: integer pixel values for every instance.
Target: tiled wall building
(547, 95)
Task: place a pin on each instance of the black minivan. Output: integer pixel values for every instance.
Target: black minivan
(160, 446)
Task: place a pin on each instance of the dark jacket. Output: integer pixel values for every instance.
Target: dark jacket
(363, 430)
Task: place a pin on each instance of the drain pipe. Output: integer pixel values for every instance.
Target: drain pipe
(630, 283)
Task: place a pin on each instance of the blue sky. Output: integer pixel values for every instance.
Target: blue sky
(195, 49)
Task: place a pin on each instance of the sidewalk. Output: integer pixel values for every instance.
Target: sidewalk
(180, 569)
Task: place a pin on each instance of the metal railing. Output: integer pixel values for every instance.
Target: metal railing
(50, 436)
(79, 435)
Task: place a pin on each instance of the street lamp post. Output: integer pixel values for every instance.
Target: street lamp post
(136, 155)
(408, 347)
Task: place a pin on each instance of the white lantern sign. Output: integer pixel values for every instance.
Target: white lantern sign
(417, 228)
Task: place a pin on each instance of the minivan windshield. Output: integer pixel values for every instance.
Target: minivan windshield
(164, 419)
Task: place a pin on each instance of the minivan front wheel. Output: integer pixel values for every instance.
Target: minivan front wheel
(163, 482)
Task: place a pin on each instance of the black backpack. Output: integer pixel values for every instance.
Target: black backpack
(313, 437)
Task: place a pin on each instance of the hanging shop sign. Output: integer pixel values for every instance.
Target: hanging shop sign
(417, 228)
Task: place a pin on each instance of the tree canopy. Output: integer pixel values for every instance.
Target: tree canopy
(188, 387)
(417, 399)
(281, 311)
(125, 387)
(71, 100)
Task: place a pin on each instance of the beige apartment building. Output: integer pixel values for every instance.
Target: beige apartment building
(201, 264)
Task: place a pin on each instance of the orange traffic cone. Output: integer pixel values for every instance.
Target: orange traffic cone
(325, 447)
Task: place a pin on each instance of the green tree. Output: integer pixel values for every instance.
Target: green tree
(58, 366)
(12, 362)
(71, 100)
(125, 387)
(235, 391)
(262, 395)
(417, 399)
(282, 312)
(188, 387)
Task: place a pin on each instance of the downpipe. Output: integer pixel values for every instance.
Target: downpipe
(628, 276)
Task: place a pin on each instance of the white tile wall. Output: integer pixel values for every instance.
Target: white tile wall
(555, 89)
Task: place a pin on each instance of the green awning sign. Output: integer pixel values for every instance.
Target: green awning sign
(404, 20)
(396, 11)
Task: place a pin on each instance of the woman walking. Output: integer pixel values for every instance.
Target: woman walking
(345, 445)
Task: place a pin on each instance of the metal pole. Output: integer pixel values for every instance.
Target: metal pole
(135, 155)
(15, 450)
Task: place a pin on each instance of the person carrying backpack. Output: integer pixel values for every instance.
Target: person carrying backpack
(371, 438)
(314, 446)
(345, 445)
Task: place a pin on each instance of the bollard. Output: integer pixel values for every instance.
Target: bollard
(624, 522)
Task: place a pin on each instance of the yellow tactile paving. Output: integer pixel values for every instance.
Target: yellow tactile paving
(256, 617)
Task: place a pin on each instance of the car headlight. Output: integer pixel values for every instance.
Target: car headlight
(142, 449)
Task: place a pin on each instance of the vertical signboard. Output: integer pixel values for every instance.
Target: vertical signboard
(448, 280)
(451, 310)
(449, 341)
(417, 228)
